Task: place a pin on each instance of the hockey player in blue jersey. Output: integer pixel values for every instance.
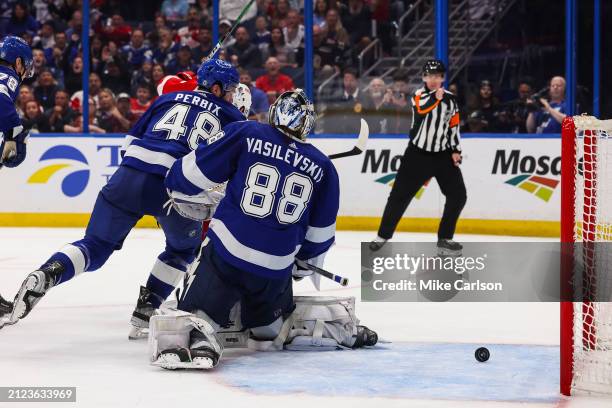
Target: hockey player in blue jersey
(16, 64)
(171, 128)
(281, 203)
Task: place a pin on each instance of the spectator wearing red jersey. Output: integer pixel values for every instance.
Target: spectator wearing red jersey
(273, 82)
(116, 30)
(142, 101)
(95, 85)
(189, 33)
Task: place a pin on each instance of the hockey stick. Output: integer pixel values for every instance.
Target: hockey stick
(215, 50)
(362, 141)
(336, 278)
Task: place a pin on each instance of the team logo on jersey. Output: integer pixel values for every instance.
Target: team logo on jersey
(541, 187)
(389, 180)
(75, 182)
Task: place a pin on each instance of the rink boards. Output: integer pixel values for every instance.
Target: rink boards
(513, 183)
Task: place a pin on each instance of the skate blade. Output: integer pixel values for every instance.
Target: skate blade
(5, 321)
(449, 252)
(172, 362)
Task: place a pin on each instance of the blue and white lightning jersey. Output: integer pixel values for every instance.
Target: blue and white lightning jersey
(281, 199)
(173, 126)
(10, 124)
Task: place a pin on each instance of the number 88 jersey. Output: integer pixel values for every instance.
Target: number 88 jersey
(174, 125)
(281, 200)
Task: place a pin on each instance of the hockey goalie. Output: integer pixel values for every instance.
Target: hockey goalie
(280, 205)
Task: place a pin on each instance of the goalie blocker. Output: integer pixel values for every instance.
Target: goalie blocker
(193, 340)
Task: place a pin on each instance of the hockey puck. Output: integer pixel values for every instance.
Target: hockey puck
(482, 354)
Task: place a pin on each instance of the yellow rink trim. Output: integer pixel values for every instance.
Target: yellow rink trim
(57, 220)
(465, 226)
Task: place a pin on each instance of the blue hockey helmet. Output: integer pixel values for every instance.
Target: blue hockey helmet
(11, 48)
(216, 71)
(293, 114)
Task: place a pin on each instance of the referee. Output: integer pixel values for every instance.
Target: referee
(433, 151)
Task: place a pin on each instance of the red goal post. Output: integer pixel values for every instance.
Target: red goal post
(586, 223)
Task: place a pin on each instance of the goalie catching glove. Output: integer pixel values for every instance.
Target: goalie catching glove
(199, 207)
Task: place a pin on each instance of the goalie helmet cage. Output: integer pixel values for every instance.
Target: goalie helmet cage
(586, 219)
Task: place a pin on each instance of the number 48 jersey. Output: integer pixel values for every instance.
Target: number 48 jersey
(281, 198)
(173, 126)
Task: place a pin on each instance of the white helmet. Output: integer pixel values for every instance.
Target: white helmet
(242, 99)
(293, 114)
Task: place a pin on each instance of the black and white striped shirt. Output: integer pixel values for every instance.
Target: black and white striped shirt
(435, 123)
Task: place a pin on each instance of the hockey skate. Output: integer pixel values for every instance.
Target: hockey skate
(448, 247)
(5, 309)
(142, 314)
(376, 244)
(365, 337)
(33, 288)
(200, 355)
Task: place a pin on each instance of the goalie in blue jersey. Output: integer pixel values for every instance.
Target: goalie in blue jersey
(16, 64)
(172, 127)
(281, 202)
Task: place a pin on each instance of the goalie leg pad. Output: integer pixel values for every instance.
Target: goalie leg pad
(173, 343)
(322, 323)
(318, 323)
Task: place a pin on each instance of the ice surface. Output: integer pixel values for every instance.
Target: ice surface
(77, 336)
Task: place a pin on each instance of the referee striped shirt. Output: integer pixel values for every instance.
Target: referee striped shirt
(435, 123)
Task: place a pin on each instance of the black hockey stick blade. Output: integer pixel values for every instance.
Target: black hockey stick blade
(362, 141)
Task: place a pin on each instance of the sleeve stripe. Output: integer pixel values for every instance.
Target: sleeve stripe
(192, 172)
(150, 156)
(417, 103)
(320, 234)
(128, 141)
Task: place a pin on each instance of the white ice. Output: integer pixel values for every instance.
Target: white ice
(77, 336)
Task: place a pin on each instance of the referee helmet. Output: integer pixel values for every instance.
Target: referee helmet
(434, 66)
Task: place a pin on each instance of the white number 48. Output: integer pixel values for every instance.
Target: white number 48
(173, 123)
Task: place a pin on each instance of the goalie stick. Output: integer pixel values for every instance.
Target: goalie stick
(362, 141)
(336, 278)
(219, 44)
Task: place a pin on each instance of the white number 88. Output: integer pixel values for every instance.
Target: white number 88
(260, 191)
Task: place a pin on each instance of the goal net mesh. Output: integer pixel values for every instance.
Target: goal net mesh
(592, 326)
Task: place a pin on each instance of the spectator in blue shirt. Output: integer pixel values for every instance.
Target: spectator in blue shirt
(136, 51)
(182, 62)
(21, 21)
(260, 104)
(548, 119)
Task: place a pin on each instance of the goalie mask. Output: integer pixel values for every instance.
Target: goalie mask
(242, 99)
(293, 114)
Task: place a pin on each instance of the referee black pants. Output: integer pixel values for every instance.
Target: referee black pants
(416, 168)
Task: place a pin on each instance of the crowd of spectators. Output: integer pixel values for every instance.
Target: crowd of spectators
(128, 59)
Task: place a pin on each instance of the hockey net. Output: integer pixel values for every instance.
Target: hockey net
(586, 226)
